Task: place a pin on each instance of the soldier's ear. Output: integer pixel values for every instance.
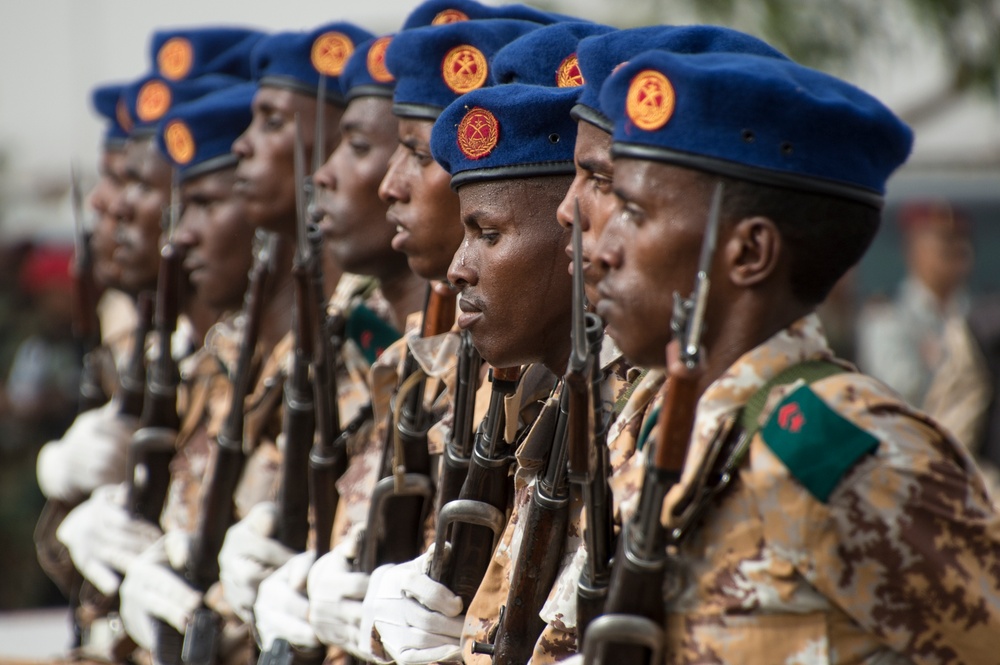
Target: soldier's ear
(752, 251)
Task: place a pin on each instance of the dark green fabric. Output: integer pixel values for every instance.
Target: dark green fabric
(817, 444)
(369, 332)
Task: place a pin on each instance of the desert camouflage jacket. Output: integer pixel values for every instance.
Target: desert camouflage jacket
(857, 531)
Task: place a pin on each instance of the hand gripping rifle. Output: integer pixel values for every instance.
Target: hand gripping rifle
(198, 644)
(403, 496)
(477, 517)
(588, 450)
(635, 609)
(86, 324)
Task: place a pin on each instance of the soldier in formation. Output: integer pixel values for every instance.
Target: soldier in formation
(494, 339)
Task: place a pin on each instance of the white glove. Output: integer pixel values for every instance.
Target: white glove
(91, 453)
(336, 594)
(103, 538)
(418, 620)
(248, 555)
(152, 589)
(281, 609)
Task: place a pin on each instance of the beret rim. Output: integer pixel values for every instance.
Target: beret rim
(114, 143)
(216, 163)
(289, 83)
(370, 90)
(762, 176)
(144, 131)
(417, 111)
(511, 172)
(593, 116)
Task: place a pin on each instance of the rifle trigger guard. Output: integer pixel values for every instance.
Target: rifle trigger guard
(612, 629)
(467, 511)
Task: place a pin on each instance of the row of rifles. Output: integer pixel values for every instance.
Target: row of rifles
(622, 604)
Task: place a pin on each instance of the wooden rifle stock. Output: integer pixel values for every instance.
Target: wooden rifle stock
(537, 564)
(478, 516)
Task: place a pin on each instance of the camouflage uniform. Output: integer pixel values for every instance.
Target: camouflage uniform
(484, 609)
(857, 531)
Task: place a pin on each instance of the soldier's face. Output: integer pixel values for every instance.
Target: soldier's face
(353, 216)
(511, 271)
(216, 239)
(111, 179)
(592, 189)
(139, 212)
(648, 250)
(265, 176)
(423, 210)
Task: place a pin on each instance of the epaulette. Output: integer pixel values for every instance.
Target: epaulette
(817, 444)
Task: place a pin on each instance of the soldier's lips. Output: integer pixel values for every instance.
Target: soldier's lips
(472, 311)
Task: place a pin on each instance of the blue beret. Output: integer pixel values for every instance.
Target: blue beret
(197, 137)
(510, 131)
(443, 12)
(148, 99)
(599, 55)
(434, 66)
(107, 101)
(764, 120)
(365, 74)
(187, 53)
(546, 56)
(295, 60)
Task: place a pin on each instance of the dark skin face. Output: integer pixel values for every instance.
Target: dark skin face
(423, 210)
(650, 249)
(353, 216)
(510, 269)
(592, 189)
(139, 212)
(110, 182)
(216, 239)
(265, 177)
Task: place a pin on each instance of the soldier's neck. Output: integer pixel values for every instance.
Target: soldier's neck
(280, 298)
(405, 293)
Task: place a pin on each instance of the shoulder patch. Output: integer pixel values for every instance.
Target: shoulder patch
(816, 443)
(369, 332)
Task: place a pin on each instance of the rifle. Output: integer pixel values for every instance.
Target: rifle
(86, 324)
(132, 380)
(588, 450)
(318, 343)
(460, 444)
(403, 496)
(152, 446)
(635, 609)
(199, 643)
(478, 516)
